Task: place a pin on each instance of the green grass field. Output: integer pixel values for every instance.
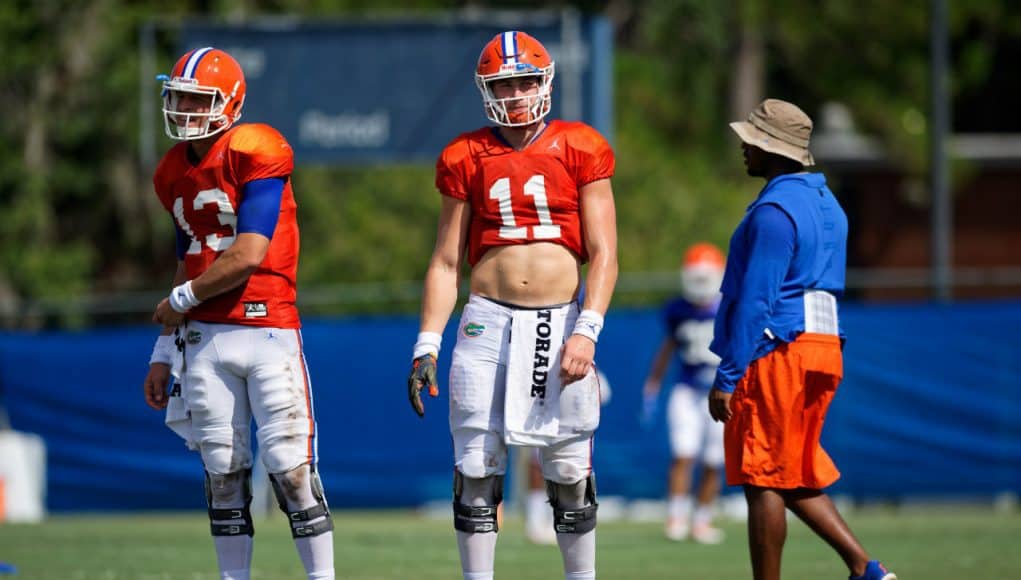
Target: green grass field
(943, 544)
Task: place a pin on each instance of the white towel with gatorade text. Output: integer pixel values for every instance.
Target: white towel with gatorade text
(532, 394)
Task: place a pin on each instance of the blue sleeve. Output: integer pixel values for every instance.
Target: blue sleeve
(771, 237)
(259, 208)
(668, 318)
(183, 241)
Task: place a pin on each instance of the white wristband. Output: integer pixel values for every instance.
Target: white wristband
(589, 324)
(428, 343)
(182, 298)
(163, 350)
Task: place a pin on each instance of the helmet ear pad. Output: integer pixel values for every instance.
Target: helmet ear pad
(232, 110)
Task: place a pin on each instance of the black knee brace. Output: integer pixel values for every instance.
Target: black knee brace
(233, 521)
(476, 519)
(300, 526)
(576, 520)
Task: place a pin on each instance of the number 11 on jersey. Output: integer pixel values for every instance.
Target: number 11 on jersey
(535, 188)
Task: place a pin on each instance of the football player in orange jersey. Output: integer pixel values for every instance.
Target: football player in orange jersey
(527, 203)
(238, 352)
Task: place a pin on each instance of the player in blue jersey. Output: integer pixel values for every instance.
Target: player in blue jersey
(693, 433)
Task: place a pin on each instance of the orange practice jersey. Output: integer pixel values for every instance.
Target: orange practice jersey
(203, 200)
(520, 197)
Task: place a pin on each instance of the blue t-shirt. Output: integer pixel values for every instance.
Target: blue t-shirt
(691, 327)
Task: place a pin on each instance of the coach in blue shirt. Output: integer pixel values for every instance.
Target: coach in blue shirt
(778, 335)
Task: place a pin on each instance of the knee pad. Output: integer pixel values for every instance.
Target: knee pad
(290, 488)
(574, 505)
(216, 455)
(479, 454)
(568, 462)
(483, 496)
(282, 449)
(234, 490)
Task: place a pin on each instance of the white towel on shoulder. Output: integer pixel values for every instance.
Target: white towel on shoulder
(532, 399)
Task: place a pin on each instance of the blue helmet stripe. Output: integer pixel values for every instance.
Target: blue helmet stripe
(193, 62)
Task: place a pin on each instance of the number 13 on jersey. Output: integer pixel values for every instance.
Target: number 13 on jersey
(225, 215)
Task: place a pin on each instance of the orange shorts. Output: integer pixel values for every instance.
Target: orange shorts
(779, 406)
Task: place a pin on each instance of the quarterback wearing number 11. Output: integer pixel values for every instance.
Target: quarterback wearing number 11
(526, 202)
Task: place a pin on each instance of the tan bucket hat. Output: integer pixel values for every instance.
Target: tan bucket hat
(778, 127)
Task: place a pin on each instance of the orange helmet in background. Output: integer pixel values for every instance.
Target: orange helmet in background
(210, 73)
(702, 273)
(514, 54)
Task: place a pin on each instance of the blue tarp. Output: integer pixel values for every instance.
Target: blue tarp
(930, 405)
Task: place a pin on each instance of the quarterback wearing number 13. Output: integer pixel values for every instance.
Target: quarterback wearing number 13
(527, 203)
(239, 352)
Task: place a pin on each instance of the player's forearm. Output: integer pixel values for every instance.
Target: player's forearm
(181, 274)
(180, 277)
(600, 280)
(225, 274)
(659, 364)
(439, 296)
(233, 267)
(599, 218)
(442, 279)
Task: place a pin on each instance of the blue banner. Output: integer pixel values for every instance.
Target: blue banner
(398, 91)
(930, 406)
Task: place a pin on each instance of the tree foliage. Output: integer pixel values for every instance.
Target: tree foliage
(80, 218)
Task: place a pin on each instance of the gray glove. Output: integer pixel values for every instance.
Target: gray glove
(423, 374)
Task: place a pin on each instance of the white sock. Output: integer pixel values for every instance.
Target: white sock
(478, 553)
(316, 555)
(233, 574)
(703, 515)
(679, 507)
(478, 575)
(234, 556)
(538, 513)
(579, 554)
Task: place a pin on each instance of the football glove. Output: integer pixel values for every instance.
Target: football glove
(423, 374)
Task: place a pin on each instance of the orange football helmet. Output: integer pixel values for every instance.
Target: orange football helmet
(211, 75)
(702, 273)
(514, 54)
